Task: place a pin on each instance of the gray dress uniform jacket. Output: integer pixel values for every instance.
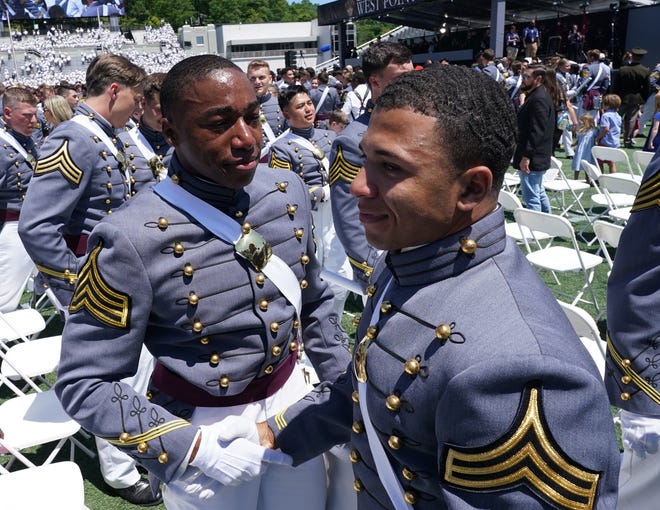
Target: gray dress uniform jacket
(286, 153)
(345, 162)
(270, 112)
(15, 173)
(143, 171)
(478, 388)
(633, 305)
(154, 275)
(77, 182)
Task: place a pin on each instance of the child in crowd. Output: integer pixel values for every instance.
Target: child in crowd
(586, 136)
(338, 121)
(610, 127)
(653, 140)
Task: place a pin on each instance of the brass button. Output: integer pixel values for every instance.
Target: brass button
(197, 326)
(299, 232)
(276, 350)
(124, 436)
(625, 362)
(282, 186)
(263, 304)
(163, 223)
(175, 179)
(178, 248)
(371, 290)
(260, 279)
(109, 211)
(355, 397)
(291, 209)
(304, 260)
(163, 458)
(246, 228)
(468, 246)
(67, 272)
(371, 333)
(107, 201)
(354, 456)
(385, 307)
(357, 485)
(215, 358)
(204, 340)
(293, 346)
(188, 270)
(625, 396)
(109, 185)
(410, 497)
(357, 427)
(193, 298)
(142, 447)
(303, 284)
(238, 214)
(626, 379)
(149, 395)
(274, 327)
(443, 331)
(72, 281)
(224, 381)
(393, 402)
(296, 324)
(394, 442)
(411, 367)
(408, 474)
(268, 370)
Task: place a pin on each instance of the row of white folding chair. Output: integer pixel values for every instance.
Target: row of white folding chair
(608, 235)
(559, 259)
(19, 325)
(558, 186)
(57, 486)
(510, 202)
(586, 329)
(617, 156)
(642, 160)
(614, 192)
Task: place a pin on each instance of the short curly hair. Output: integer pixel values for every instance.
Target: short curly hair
(475, 120)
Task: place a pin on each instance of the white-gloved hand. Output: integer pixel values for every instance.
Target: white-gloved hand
(225, 454)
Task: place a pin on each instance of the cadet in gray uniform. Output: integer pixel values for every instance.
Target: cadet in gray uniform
(81, 178)
(18, 156)
(225, 322)
(381, 63)
(595, 80)
(326, 100)
(147, 152)
(273, 122)
(633, 323)
(469, 388)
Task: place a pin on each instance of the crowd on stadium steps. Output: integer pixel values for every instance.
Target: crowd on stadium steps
(126, 136)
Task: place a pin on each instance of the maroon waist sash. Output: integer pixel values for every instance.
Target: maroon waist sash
(7, 215)
(77, 244)
(176, 386)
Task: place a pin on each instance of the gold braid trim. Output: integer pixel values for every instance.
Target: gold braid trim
(154, 433)
(276, 162)
(280, 421)
(70, 277)
(342, 169)
(627, 369)
(528, 455)
(60, 161)
(92, 293)
(363, 266)
(648, 194)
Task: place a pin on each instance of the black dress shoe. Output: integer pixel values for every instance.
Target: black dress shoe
(140, 494)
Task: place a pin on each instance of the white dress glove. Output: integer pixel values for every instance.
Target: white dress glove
(227, 455)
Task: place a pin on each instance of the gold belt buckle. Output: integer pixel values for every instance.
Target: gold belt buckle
(254, 248)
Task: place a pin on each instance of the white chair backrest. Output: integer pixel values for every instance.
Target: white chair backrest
(555, 163)
(543, 222)
(642, 160)
(612, 154)
(608, 234)
(551, 173)
(619, 184)
(586, 328)
(20, 324)
(592, 171)
(509, 201)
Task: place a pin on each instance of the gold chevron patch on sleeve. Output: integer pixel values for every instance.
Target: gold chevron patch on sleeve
(92, 293)
(526, 455)
(341, 168)
(60, 161)
(648, 194)
(276, 162)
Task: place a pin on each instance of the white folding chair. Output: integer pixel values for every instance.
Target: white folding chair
(510, 202)
(560, 259)
(608, 235)
(621, 190)
(586, 328)
(615, 155)
(33, 359)
(642, 160)
(558, 186)
(511, 181)
(57, 486)
(19, 325)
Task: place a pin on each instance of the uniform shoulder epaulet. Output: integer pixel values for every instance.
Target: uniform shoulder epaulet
(60, 161)
(341, 168)
(526, 455)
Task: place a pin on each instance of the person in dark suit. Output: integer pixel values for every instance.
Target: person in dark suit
(632, 86)
(536, 124)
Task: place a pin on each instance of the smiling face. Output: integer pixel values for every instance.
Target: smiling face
(301, 112)
(407, 195)
(215, 128)
(260, 78)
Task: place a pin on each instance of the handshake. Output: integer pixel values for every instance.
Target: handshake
(229, 453)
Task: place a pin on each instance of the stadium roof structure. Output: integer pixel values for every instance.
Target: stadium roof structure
(474, 14)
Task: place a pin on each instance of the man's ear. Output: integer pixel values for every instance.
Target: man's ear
(169, 132)
(285, 114)
(477, 185)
